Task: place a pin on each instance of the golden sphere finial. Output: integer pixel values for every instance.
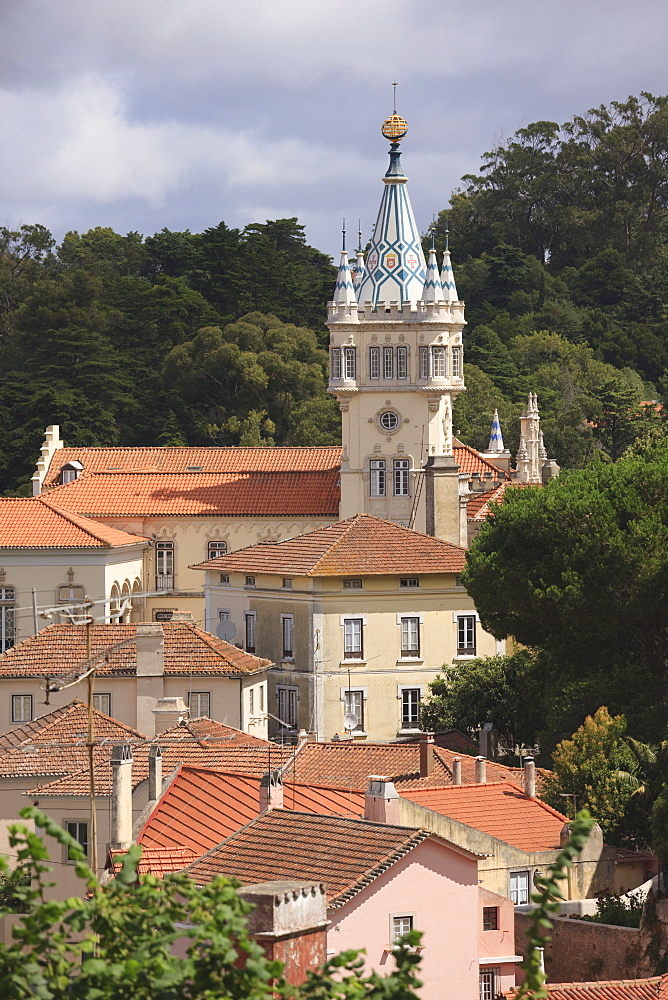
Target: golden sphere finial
(394, 128)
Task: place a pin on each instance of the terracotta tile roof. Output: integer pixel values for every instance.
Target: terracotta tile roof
(361, 545)
(209, 732)
(209, 460)
(157, 861)
(61, 649)
(345, 854)
(203, 806)
(348, 765)
(478, 504)
(499, 809)
(654, 988)
(55, 744)
(470, 461)
(449, 739)
(200, 494)
(35, 523)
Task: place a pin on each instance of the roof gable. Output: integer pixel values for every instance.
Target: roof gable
(36, 523)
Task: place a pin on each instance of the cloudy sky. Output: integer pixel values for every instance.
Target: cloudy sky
(144, 114)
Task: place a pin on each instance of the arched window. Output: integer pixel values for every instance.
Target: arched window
(137, 603)
(7, 618)
(126, 595)
(217, 547)
(115, 605)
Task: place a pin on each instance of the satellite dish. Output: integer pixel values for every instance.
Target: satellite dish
(350, 721)
(226, 630)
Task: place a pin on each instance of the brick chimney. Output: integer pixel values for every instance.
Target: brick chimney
(426, 754)
(271, 791)
(167, 713)
(150, 644)
(529, 778)
(480, 770)
(121, 797)
(381, 801)
(456, 771)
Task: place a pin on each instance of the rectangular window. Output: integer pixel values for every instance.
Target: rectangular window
(164, 565)
(216, 547)
(7, 618)
(199, 703)
(287, 583)
(400, 927)
(288, 706)
(225, 578)
(402, 362)
(224, 614)
(262, 697)
(438, 366)
(354, 705)
(21, 708)
(388, 362)
(466, 635)
(457, 362)
(288, 629)
(374, 362)
(336, 363)
(401, 479)
(250, 581)
(350, 357)
(488, 988)
(353, 584)
(377, 477)
(410, 636)
(490, 918)
(80, 833)
(409, 581)
(102, 703)
(410, 708)
(519, 887)
(251, 701)
(353, 647)
(424, 362)
(250, 631)
(69, 594)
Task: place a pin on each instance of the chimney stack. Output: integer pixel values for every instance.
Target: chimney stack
(121, 796)
(529, 778)
(426, 754)
(271, 791)
(456, 771)
(381, 801)
(480, 770)
(154, 773)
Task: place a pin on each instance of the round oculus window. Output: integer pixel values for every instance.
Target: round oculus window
(389, 420)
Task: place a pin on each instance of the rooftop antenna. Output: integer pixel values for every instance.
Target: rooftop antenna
(359, 236)
(447, 234)
(433, 232)
(343, 233)
(394, 96)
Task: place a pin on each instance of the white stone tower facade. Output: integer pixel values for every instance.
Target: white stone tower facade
(396, 366)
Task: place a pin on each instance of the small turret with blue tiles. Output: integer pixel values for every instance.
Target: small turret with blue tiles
(359, 266)
(344, 293)
(447, 275)
(433, 290)
(395, 267)
(496, 437)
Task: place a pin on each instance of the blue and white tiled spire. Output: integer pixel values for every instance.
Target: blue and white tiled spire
(359, 266)
(495, 437)
(344, 293)
(395, 265)
(447, 275)
(433, 290)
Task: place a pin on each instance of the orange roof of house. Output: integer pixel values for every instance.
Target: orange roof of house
(156, 861)
(448, 739)
(478, 504)
(361, 546)
(653, 988)
(303, 493)
(208, 732)
(35, 523)
(203, 806)
(470, 461)
(61, 649)
(205, 460)
(344, 854)
(499, 809)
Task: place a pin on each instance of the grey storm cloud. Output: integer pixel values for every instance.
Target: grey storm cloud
(157, 113)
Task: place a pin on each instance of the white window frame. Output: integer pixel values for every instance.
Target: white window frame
(423, 359)
(351, 698)
(216, 547)
(466, 650)
(287, 583)
(7, 618)
(410, 636)
(521, 887)
(400, 924)
(77, 824)
(374, 362)
(439, 361)
(402, 362)
(102, 702)
(164, 564)
(388, 362)
(199, 704)
(22, 708)
(250, 623)
(456, 361)
(352, 583)
(288, 705)
(405, 698)
(350, 361)
(401, 477)
(288, 636)
(409, 582)
(377, 477)
(353, 638)
(335, 364)
(488, 983)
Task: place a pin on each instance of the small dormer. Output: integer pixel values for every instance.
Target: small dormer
(71, 471)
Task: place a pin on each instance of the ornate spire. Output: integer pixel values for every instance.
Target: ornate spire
(433, 290)
(447, 275)
(395, 267)
(344, 293)
(522, 453)
(542, 451)
(495, 437)
(359, 267)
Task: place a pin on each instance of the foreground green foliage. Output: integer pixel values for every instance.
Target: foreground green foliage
(158, 940)
(611, 908)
